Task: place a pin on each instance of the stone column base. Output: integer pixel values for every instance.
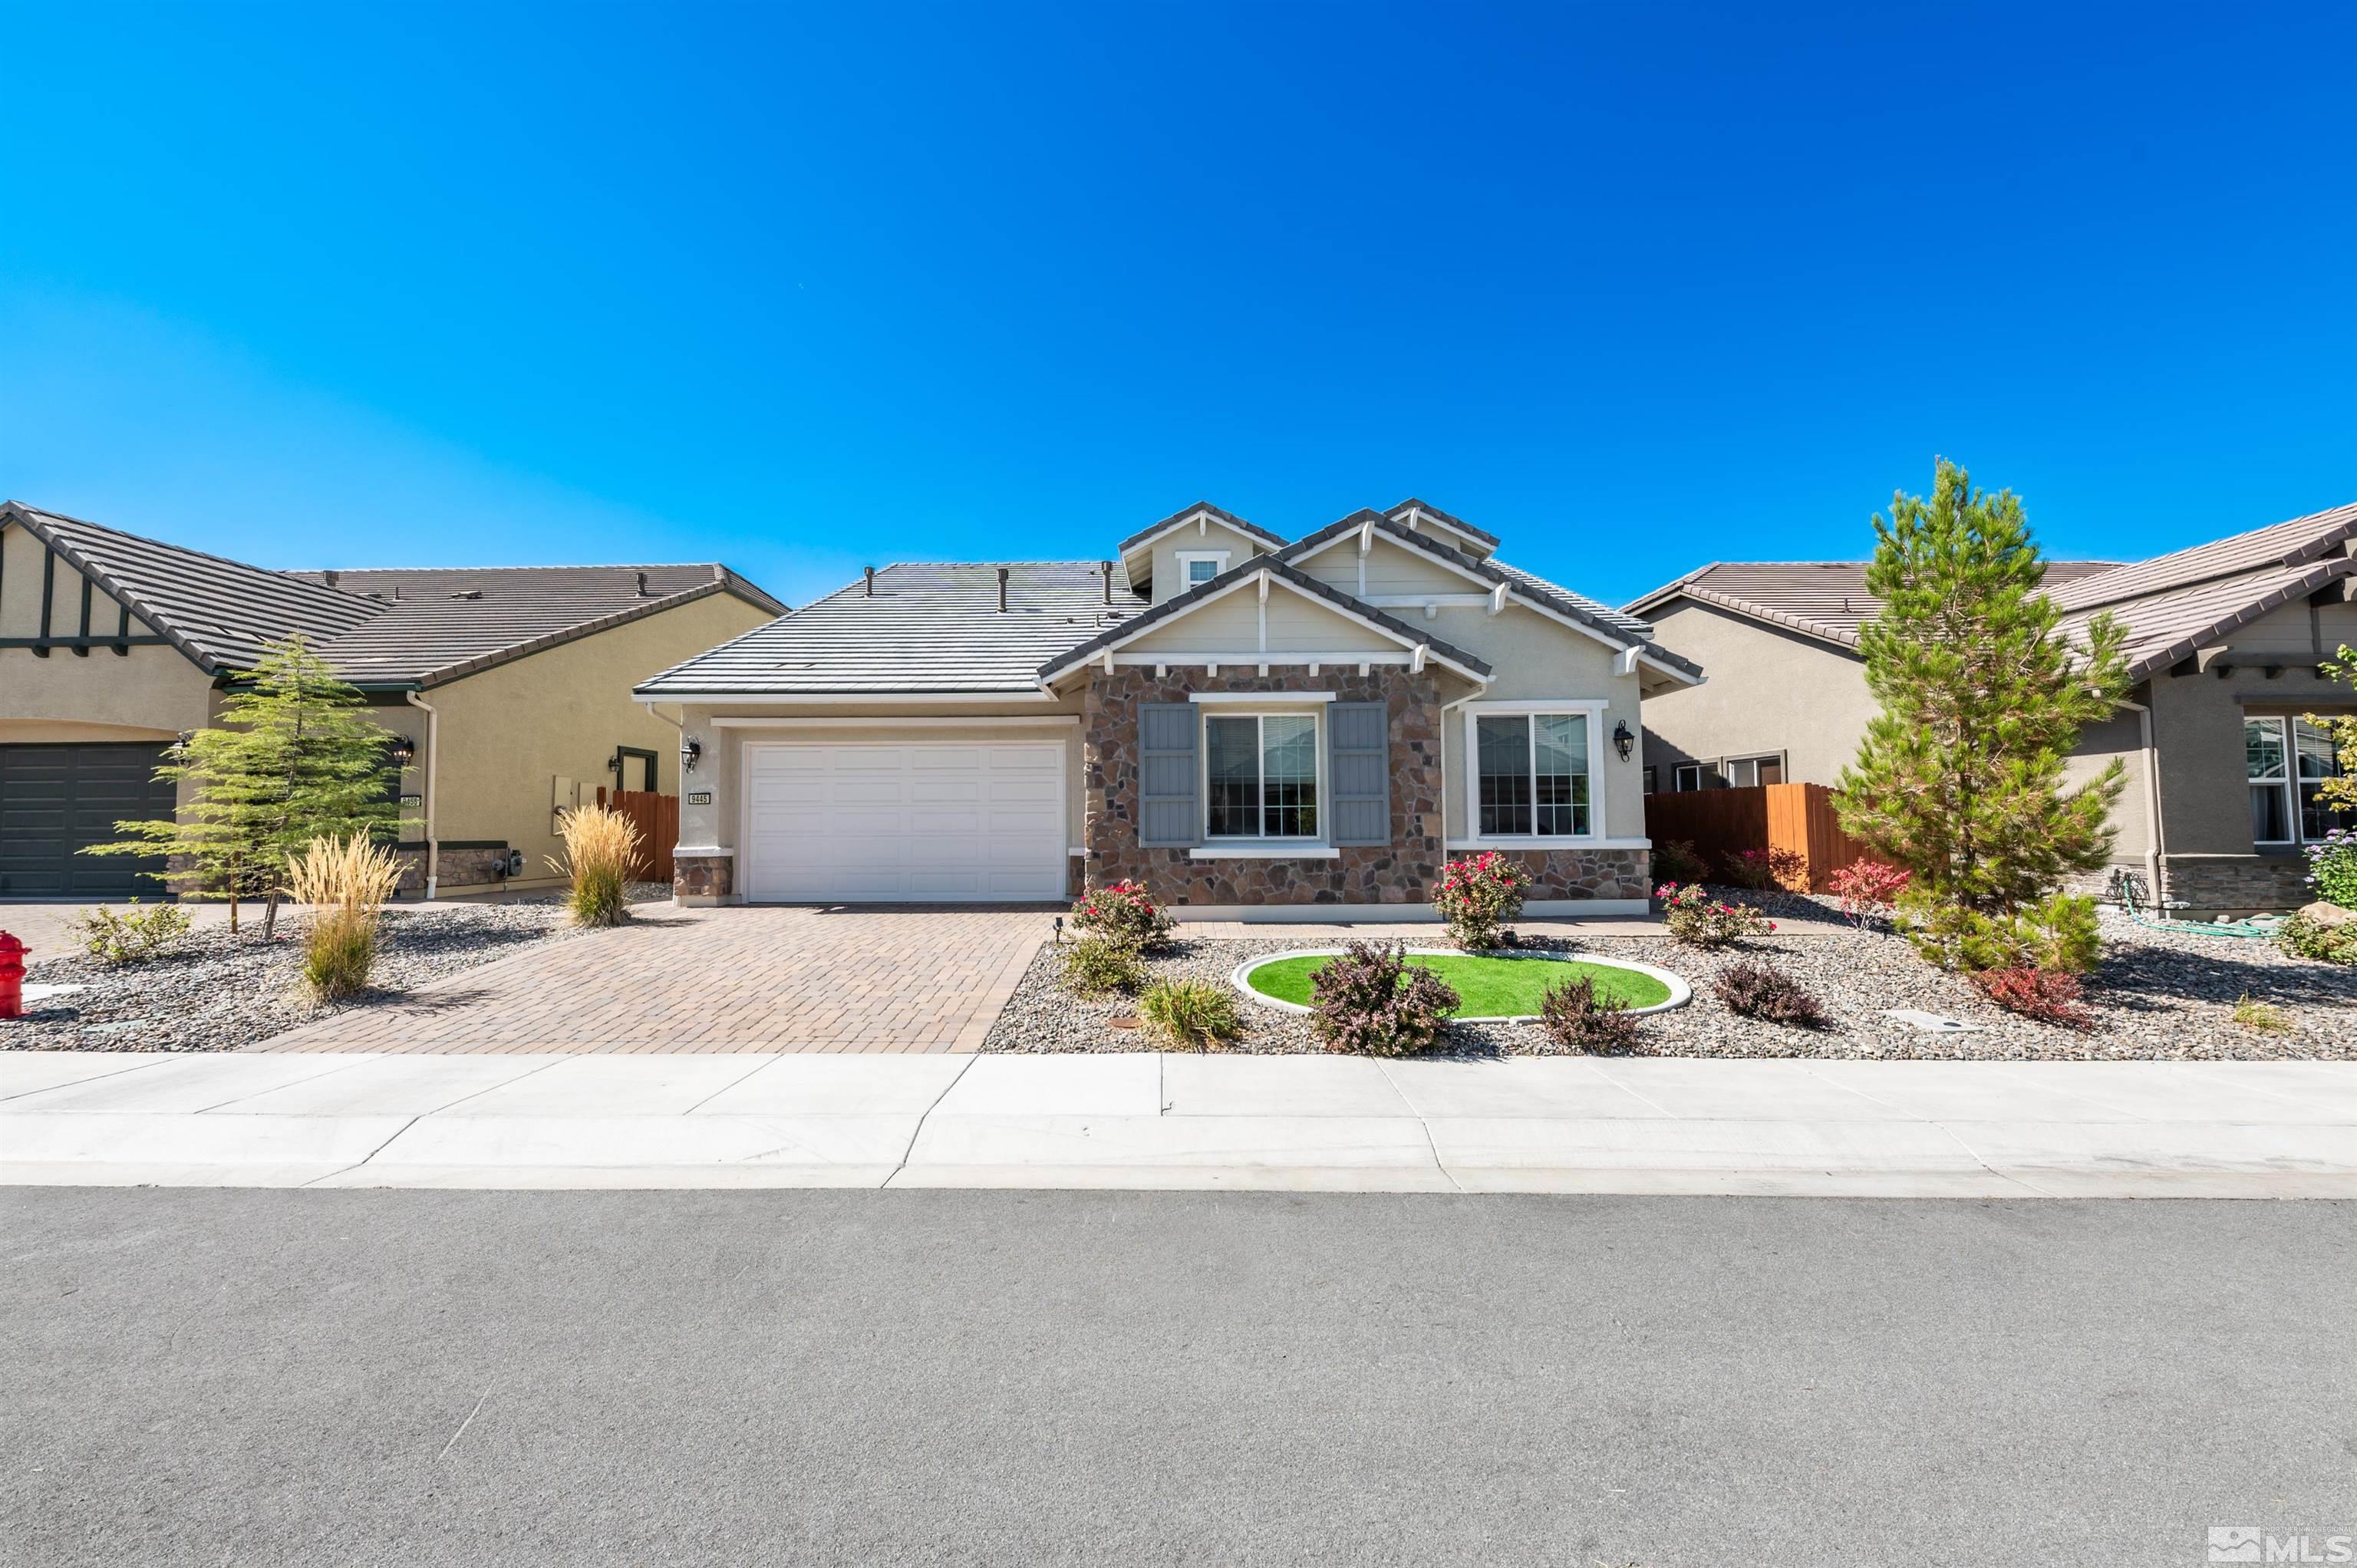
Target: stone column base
(699, 880)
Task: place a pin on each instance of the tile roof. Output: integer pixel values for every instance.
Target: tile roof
(1183, 513)
(1430, 510)
(390, 626)
(2278, 544)
(929, 626)
(1824, 599)
(1278, 566)
(2167, 627)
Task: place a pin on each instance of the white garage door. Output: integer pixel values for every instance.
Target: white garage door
(917, 823)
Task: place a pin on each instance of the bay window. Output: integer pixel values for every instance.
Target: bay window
(1531, 775)
(2286, 760)
(1261, 773)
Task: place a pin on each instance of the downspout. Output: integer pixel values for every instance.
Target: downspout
(433, 767)
(2152, 847)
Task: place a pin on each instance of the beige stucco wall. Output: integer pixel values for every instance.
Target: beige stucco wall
(508, 732)
(721, 769)
(1769, 690)
(1168, 580)
(1534, 657)
(1232, 623)
(149, 694)
(1393, 569)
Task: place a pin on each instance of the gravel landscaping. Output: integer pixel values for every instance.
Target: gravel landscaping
(215, 993)
(2156, 995)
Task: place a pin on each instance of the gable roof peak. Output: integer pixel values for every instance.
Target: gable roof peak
(1187, 514)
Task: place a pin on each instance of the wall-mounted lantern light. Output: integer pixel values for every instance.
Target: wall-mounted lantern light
(401, 752)
(690, 748)
(1622, 741)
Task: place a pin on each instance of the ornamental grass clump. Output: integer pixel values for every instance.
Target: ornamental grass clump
(1755, 988)
(1582, 1020)
(346, 881)
(1479, 897)
(601, 846)
(1372, 1002)
(1123, 913)
(1696, 919)
(1194, 1015)
(1095, 966)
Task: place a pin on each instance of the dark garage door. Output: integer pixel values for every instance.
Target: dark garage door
(56, 798)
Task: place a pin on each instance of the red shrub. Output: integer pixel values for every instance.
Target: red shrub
(1867, 888)
(2049, 995)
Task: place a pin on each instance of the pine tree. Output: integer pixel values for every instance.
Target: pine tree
(294, 759)
(1959, 779)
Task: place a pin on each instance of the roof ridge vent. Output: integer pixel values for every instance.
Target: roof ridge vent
(467, 594)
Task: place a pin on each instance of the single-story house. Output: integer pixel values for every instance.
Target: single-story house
(509, 686)
(1251, 727)
(2223, 643)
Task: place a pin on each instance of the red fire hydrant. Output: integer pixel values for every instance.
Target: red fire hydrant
(12, 977)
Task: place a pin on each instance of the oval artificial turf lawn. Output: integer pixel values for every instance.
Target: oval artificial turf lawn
(1489, 987)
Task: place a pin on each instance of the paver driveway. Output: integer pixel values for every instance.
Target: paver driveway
(761, 979)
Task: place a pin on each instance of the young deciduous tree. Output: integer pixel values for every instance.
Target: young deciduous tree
(1960, 777)
(2339, 792)
(294, 759)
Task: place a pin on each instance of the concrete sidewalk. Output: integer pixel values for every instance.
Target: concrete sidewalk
(1319, 1123)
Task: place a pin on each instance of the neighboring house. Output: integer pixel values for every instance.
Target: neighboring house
(1249, 727)
(2223, 644)
(511, 686)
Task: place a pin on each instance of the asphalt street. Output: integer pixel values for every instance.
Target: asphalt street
(219, 1377)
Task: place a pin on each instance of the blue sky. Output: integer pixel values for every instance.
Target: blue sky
(1634, 287)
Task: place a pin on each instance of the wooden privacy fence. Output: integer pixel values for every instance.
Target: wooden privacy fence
(1722, 822)
(657, 819)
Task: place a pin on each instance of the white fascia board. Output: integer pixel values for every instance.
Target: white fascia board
(914, 721)
(838, 698)
(1229, 656)
(1254, 656)
(1366, 530)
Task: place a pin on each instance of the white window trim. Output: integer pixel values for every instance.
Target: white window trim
(2288, 785)
(1590, 709)
(1218, 558)
(1266, 849)
(1265, 846)
(1678, 773)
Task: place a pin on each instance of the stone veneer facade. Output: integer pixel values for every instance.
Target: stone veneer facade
(1399, 873)
(702, 875)
(456, 866)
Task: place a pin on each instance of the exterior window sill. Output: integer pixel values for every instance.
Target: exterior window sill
(1259, 849)
(1549, 841)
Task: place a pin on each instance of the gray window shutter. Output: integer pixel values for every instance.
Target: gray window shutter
(1359, 772)
(1169, 814)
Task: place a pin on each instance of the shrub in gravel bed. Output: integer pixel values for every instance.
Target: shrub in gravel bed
(1867, 889)
(1696, 919)
(1761, 869)
(1580, 1020)
(1755, 988)
(2332, 868)
(1677, 860)
(1479, 897)
(134, 935)
(1094, 966)
(1372, 1002)
(2304, 936)
(1125, 914)
(2049, 995)
(1199, 1014)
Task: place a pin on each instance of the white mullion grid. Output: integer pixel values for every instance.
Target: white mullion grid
(2286, 787)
